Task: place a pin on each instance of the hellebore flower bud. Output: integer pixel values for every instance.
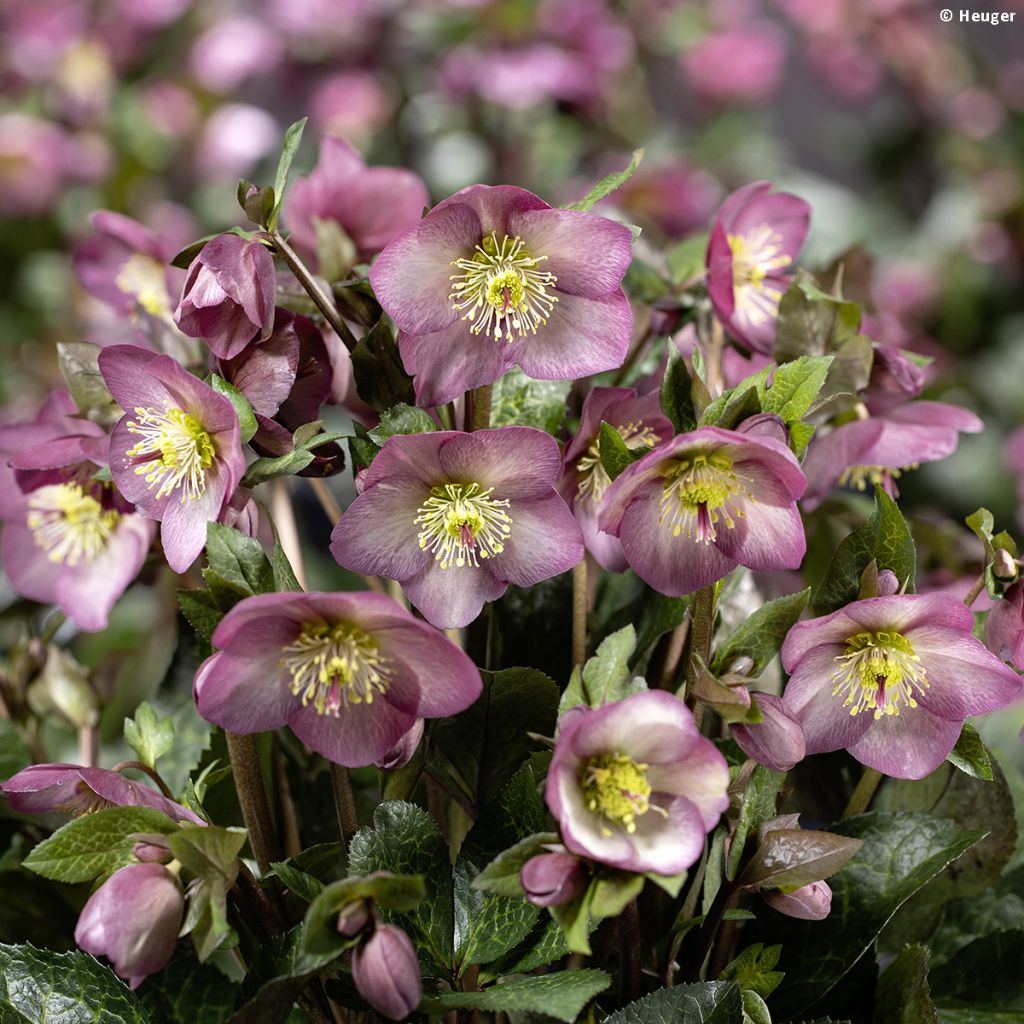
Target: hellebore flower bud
(888, 584)
(1003, 565)
(552, 879)
(228, 297)
(777, 741)
(809, 903)
(353, 918)
(133, 919)
(387, 973)
(402, 752)
(152, 849)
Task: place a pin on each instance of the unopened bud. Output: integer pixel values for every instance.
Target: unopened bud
(387, 973)
(64, 685)
(1004, 567)
(150, 851)
(888, 584)
(777, 741)
(353, 918)
(552, 879)
(808, 903)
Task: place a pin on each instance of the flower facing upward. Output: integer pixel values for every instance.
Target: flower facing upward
(891, 680)
(755, 238)
(492, 277)
(176, 453)
(349, 673)
(634, 785)
(641, 424)
(457, 517)
(697, 506)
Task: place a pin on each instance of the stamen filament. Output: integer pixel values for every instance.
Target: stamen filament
(174, 451)
(68, 524)
(878, 672)
(462, 523)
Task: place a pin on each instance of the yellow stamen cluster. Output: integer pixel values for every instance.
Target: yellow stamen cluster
(878, 672)
(501, 290)
(142, 277)
(697, 494)
(333, 666)
(756, 258)
(68, 524)
(594, 481)
(462, 523)
(863, 477)
(174, 451)
(616, 787)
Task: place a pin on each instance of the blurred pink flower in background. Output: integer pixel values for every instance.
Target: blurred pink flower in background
(740, 65)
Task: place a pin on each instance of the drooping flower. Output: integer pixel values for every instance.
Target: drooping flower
(349, 673)
(371, 205)
(879, 448)
(73, 790)
(176, 453)
(697, 506)
(386, 972)
(641, 424)
(891, 680)
(755, 238)
(228, 298)
(808, 903)
(777, 741)
(634, 785)
(551, 879)
(1004, 627)
(494, 277)
(133, 919)
(457, 517)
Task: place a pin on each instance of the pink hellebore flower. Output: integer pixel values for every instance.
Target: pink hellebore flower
(740, 65)
(808, 903)
(228, 298)
(693, 509)
(176, 453)
(457, 517)
(635, 786)
(372, 205)
(755, 238)
(386, 972)
(891, 680)
(641, 424)
(777, 741)
(551, 879)
(73, 790)
(133, 919)
(494, 277)
(878, 449)
(1004, 627)
(349, 673)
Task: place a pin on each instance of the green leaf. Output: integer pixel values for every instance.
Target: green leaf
(401, 419)
(970, 755)
(658, 616)
(201, 610)
(561, 995)
(14, 754)
(405, 841)
(677, 393)
(292, 141)
(187, 992)
(488, 742)
(687, 258)
(615, 454)
(150, 737)
(78, 361)
(792, 388)
(758, 806)
(381, 380)
(607, 185)
(901, 853)
(902, 995)
(38, 986)
(606, 675)
(886, 539)
(278, 974)
(707, 1002)
(789, 858)
(237, 566)
(304, 885)
(761, 635)
(246, 417)
(306, 440)
(985, 975)
(754, 969)
(257, 203)
(95, 845)
(210, 853)
(501, 875)
(518, 399)
(812, 323)
(613, 892)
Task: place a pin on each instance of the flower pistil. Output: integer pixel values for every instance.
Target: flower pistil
(878, 672)
(68, 524)
(331, 666)
(462, 523)
(174, 449)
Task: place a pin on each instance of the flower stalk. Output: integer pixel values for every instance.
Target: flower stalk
(252, 797)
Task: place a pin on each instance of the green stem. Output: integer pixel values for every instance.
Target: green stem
(480, 415)
(863, 793)
(972, 594)
(344, 803)
(631, 978)
(146, 770)
(708, 930)
(322, 299)
(579, 612)
(252, 798)
(702, 623)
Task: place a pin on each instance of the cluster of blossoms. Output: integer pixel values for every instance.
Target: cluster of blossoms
(490, 281)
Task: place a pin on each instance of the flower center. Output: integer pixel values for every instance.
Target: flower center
(594, 481)
(698, 493)
(878, 673)
(862, 477)
(757, 258)
(335, 665)
(173, 451)
(82, 799)
(616, 787)
(68, 524)
(501, 290)
(462, 523)
(142, 277)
